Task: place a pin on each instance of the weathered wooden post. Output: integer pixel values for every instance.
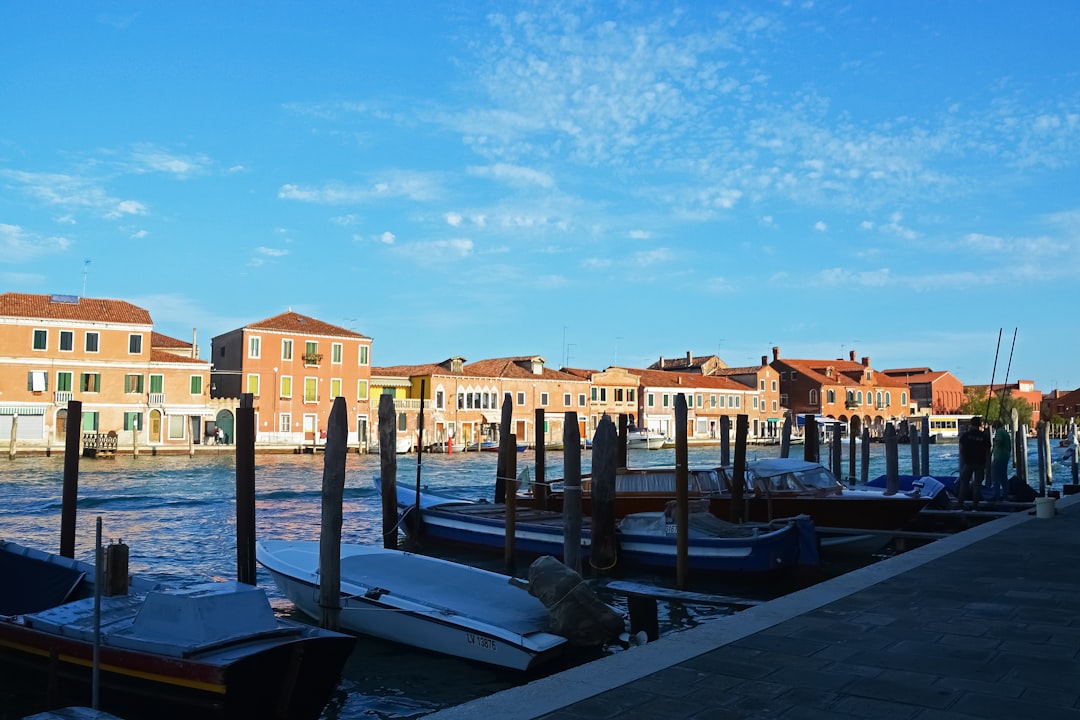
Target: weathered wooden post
(388, 474)
(892, 461)
(69, 503)
(811, 451)
(835, 449)
(510, 506)
(603, 546)
(14, 435)
(864, 471)
(333, 492)
(925, 444)
(540, 488)
(571, 492)
(785, 437)
(620, 455)
(1020, 455)
(501, 472)
(1042, 445)
(738, 469)
(853, 429)
(913, 445)
(682, 494)
(725, 440)
(191, 442)
(245, 490)
(1074, 451)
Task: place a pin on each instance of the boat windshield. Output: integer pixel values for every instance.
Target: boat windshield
(817, 477)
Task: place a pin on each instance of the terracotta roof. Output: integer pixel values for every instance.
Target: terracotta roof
(686, 363)
(410, 370)
(292, 322)
(928, 376)
(160, 340)
(165, 356)
(845, 372)
(582, 373)
(745, 370)
(690, 381)
(510, 368)
(29, 305)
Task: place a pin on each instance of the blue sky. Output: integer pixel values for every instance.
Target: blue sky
(597, 183)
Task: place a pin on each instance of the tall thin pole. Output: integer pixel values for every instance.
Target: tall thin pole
(420, 444)
(993, 373)
(1004, 385)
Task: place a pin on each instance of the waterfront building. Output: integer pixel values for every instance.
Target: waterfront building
(135, 385)
(841, 390)
(1022, 389)
(1061, 405)
(699, 364)
(612, 392)
(717, 396)
(293, 366)
(932, 392)
(464, 400)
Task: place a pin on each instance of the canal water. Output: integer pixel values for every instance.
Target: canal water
(177, 515)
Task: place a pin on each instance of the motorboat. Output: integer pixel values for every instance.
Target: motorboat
(208, 650)
(644, 439)
(644, 539)
(421, 601)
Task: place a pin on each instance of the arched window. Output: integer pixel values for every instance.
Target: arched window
(813, 397)
(858, 397)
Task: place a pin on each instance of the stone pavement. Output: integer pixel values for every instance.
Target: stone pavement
(981, 624)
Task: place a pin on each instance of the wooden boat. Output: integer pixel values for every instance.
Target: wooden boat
(490, 446)
(644, 539)
(773, 488)
(421, 601)
(212, 650)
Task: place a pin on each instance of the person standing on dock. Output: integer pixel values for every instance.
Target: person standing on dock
(974, 449)
(999, 460)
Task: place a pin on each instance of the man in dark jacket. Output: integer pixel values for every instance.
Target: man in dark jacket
(974, 450)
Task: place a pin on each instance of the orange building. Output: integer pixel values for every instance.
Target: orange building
(131, 381)
(293, 366)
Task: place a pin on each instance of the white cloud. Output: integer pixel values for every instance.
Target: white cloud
(150, 158)
(17, 245)
(453, 219)
(419, 187)
(139, 235)
(436, 251)
(271, 252)
(820, 226)
(514, 174)
(651, 257)
(345, 220)
(126, 207)
(639, 234)
(387, 238)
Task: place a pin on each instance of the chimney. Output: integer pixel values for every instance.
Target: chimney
(851, 355)
(689, 358)
(764, 360)
(865, 361)
(194, 346)
(661, 362)
(776, 352)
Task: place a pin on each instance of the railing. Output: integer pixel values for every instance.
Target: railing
(94, 443)
(156, 398)
(62, 396)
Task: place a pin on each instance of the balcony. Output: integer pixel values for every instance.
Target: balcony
(311, 359)
(851, 405)
(62, 397)
(156, 399)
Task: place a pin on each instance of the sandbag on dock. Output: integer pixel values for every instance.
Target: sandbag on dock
(576, 612)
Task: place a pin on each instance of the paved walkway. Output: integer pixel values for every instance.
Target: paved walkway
(982, 624)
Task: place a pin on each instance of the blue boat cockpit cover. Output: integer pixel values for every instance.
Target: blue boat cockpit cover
(28, 585)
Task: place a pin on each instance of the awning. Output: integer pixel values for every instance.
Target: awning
(27, 410)
(201, 412)
(495, 418)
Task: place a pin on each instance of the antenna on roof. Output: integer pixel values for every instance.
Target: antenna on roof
(84, 268)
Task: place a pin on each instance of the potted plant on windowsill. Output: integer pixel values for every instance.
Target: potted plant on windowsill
(312, 358)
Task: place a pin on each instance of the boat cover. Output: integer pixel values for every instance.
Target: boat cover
(30, 585)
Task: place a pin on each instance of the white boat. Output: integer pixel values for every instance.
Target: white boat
(644, 439)
(421, 601)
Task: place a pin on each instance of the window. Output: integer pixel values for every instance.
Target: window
(755, 402)
(177, 425)
(736, 401)
(543, 399)
(253, 384)
(521, 398)
(903, 398)
(712, 401)
(402, 422)
(196, 384)
(440, 400)
(581, 399)
(783, 399)
(831, 395)
(37, 381)
(630, 395)
(90, 382)
(286, 352)
(92, 341)
(286, 423)
(364, 354)
(285, 390)
(134, 344)
(335, 354)
(650, 400)
(700, 399)
(90, 421)
(888, 398)
(813, 397)
(311, 353)
(592, 392)
(774, 386)
(311, 389)
(603, 394)
(566, 399)
(157, 383)
(67, 340)
(132, 421)
(618, 394)
(41, 339)
(762, 384)
(63, 381)
(362, 391)
(335, 387)
(667, 399)
(133, 383)
(858, 397)
(722, 401)
(254, 347)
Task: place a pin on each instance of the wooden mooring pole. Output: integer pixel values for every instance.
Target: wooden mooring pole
(245, 490)
(388, 476)
(603, 548)
(72, 452)
(333, 491)
(571, 493)
(682, 495)
(540, 488)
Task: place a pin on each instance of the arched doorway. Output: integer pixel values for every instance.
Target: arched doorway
(60, 425)
(225, 421)
(154, 433)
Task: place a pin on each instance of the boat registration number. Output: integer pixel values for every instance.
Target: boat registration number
(481, 642)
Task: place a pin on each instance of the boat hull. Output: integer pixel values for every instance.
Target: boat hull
(477, 616)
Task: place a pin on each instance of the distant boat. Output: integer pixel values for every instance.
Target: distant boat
(212, 650)
(421, 601)
(644, 439)
(402, 445)
(490, 446)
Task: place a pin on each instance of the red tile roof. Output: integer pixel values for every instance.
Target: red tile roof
(294, 322)
(165, 356)
(159, 340)
(510, 368)
(29, 305)
(845, 372)
(691, 381)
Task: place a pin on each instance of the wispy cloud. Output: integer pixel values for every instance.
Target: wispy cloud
(17, 245)
(514, 174)
(150, 158)
(72, 191)
(420, 187)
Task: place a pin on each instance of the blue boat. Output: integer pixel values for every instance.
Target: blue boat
(644, 539)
